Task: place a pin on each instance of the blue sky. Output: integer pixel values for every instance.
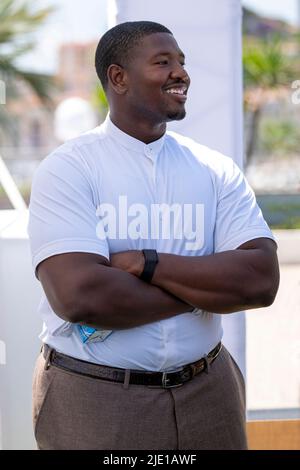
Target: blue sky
(75, 20)
(282, 9)
(72, 21)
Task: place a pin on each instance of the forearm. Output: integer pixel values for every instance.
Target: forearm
(123, 301)
(222, 283)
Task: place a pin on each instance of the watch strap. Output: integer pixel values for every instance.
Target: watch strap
(151, 260)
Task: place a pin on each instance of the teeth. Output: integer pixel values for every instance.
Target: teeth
(178, 91)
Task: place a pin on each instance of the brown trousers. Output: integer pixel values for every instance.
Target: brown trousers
(71, 411)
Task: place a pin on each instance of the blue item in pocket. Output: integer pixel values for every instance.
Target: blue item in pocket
(91, 335)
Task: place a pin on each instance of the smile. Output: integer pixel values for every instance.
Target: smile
(177, 92)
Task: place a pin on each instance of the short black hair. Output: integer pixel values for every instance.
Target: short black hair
(115, 45)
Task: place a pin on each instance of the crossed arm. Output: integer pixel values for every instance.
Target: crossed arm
(222, 283)
(85, 288)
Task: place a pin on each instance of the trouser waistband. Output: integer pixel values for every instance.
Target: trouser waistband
(129, 376)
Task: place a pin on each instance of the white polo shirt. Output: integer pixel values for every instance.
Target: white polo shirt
(105, 192)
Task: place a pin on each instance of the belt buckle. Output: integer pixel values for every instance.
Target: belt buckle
(165, 381)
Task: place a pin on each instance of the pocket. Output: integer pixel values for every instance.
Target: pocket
(237, 369)
(42, 382)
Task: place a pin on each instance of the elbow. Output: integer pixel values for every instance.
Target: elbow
(69, 306)
(68, 310)
(271, 286)
(64, 301)
(267, 298)
(263, 294)
(81, 308)
(271, 293)
(73, 314)
(262, 278)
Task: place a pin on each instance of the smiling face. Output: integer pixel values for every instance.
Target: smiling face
(155, 81)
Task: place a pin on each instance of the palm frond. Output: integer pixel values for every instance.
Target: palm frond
(17, 22)
(43, 85)
(266, 65)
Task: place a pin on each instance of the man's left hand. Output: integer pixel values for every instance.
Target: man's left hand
(131, 261)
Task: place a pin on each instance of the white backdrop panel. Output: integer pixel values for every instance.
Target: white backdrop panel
(209, 34)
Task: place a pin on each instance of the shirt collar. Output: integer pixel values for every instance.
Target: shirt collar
(149, 150)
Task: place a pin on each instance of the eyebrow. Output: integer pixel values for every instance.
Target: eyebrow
(181, 54)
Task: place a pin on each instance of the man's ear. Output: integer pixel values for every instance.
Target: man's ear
(117, 78)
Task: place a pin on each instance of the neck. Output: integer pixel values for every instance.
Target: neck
(139, 129)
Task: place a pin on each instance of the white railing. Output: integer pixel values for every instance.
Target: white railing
(19, 324)
(11, 188)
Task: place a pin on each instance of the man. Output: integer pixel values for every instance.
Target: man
(158, 376)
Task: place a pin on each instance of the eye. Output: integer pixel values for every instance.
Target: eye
(162, 62)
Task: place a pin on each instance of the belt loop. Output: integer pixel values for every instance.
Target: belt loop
(207, 364)
(194, 370)
(48, 358)
(127, 378)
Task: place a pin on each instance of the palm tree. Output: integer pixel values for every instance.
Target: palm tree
(268, 73)
(17, 23)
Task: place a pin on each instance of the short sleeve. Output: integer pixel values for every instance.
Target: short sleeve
(238, 217)
(62, 212)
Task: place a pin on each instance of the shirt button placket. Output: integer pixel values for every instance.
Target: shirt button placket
(149, 154)
(155, 192)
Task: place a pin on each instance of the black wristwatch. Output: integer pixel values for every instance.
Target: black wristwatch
(151, 260)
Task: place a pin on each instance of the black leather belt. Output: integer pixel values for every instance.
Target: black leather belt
(131, 376)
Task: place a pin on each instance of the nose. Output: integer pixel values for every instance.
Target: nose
(179, 73)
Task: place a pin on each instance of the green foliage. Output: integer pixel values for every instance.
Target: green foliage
(269, 70)
(290, 223)
(17, 20)
(279, 136)
(99, 100)
(265, 63)
(17, 23)
(281, 211)
(287, 208)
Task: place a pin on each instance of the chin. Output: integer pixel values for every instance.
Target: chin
(176, 115)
